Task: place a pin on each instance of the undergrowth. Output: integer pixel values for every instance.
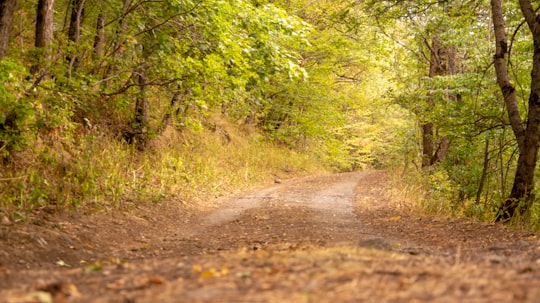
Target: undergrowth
(431, 193)
(99, 172)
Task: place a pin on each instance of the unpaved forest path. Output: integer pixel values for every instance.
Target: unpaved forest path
(319, 239)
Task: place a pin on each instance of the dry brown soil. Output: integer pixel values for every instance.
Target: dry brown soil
(330, 238)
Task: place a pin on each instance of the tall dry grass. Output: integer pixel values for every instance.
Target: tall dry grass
(96, 171)
(416, 191)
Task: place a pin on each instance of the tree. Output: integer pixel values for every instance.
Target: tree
(44, 23)
(441, 61)
(456, 105)
(526, 133)
(343, 110)
(99, 38)
(44, 30)
(76, 19)
(74, 31)
(7, 11)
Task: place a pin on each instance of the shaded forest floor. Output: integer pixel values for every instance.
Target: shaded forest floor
(319, 239)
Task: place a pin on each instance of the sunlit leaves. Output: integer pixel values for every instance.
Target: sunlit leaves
(339, 111)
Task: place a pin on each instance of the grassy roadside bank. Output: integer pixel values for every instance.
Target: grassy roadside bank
(97, 172)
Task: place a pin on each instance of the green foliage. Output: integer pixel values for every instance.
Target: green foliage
(308, 84)
(14, 111)
(339, 110)
(464, 107)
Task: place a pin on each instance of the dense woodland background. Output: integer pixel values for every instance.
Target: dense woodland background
(106, 103)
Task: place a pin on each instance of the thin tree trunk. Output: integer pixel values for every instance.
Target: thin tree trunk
(74, 32)
(7, 11)
(173, 111)
(483, 177)
(441, 152)
(76, 20)
(427, 144)
(99, 39)
(141, 112)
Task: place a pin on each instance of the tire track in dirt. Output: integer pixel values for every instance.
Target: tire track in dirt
(332, 195)
(313, 210)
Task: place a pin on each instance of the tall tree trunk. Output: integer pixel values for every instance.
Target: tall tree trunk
(74, 32)
(76, 19)
(437, 67)
(140, 123)
(44, 28)
(484, 175)
(527, 135)
(427, 143)
(99, 39)
(44, 23)
(7, 11)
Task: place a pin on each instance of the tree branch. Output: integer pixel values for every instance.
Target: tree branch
(529, 14)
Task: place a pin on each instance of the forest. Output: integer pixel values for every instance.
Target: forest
(106, 103)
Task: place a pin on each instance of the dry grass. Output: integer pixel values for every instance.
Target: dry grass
(100, 172)
(408, 190)
(211, 163)
(416, 192)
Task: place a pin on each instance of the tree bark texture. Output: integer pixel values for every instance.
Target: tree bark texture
(76, 19)
(44, 33)
(501, 70)
(427, 143)
(528, 134)
(99, 39)
(74, 32)
(44, 23)
(7, 11)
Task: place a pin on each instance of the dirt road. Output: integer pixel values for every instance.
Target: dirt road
(320, 239)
